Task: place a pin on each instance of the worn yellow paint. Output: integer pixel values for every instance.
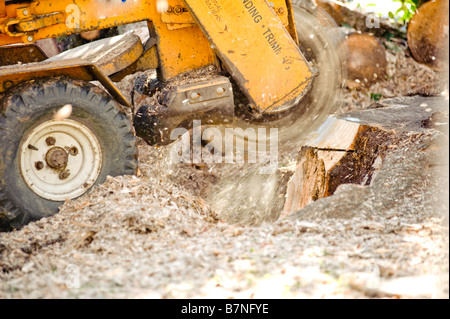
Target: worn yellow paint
(177, 14)
(292, 28)
(256, 48)
(148, 60)
(280, 8)
(181, 45)
(181, 50)
(23, 53)
(2, 9)
(16, 74)
(269, 77)
(74, 68)
(39, 23)
(111, 55)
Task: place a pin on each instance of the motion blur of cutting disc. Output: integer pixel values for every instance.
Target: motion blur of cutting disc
(251, 194)
(321, 44)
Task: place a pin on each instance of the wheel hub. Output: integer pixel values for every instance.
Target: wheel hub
(60, 159)
(57, 158)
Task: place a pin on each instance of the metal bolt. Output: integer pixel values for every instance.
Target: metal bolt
(194, 95)
(25, 12)
(32, 147)
(39, 165)
(280, 10)
(30, 38)
(50, 141)
(64, 174)
(73, 151)
(220, 91)
(169, 10)
(178, 10)
(7, 84)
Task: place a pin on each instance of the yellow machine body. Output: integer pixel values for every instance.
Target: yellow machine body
(255, 41)
(256, 48)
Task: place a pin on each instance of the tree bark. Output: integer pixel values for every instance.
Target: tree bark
(350, 148)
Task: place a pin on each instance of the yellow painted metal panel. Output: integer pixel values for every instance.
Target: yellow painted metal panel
(2, 9)
(16, 74)
(181, 50)
(74, 68)
(256, 48)
(177, 13)
(280, 8)
(111, 55)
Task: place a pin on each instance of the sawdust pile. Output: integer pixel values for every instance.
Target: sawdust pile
(160, 234)
(146, 237)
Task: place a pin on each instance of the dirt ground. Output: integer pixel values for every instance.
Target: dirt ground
(165, 234)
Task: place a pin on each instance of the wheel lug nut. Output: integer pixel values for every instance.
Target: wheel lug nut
(73, 151)
(64, 174)
(39, 165)
(50, 141)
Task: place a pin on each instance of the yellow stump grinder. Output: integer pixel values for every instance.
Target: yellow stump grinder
(63, 128)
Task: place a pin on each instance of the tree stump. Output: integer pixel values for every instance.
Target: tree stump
(349, 149)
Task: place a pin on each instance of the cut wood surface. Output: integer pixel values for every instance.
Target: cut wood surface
(309, 178)
(348, 149)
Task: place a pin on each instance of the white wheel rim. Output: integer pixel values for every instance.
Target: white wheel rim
(84, 160)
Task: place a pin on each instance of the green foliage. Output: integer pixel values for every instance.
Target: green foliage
(406, 10)
(376, 97)
(399, 10)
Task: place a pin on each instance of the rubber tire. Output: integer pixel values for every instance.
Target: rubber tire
(34, 103)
